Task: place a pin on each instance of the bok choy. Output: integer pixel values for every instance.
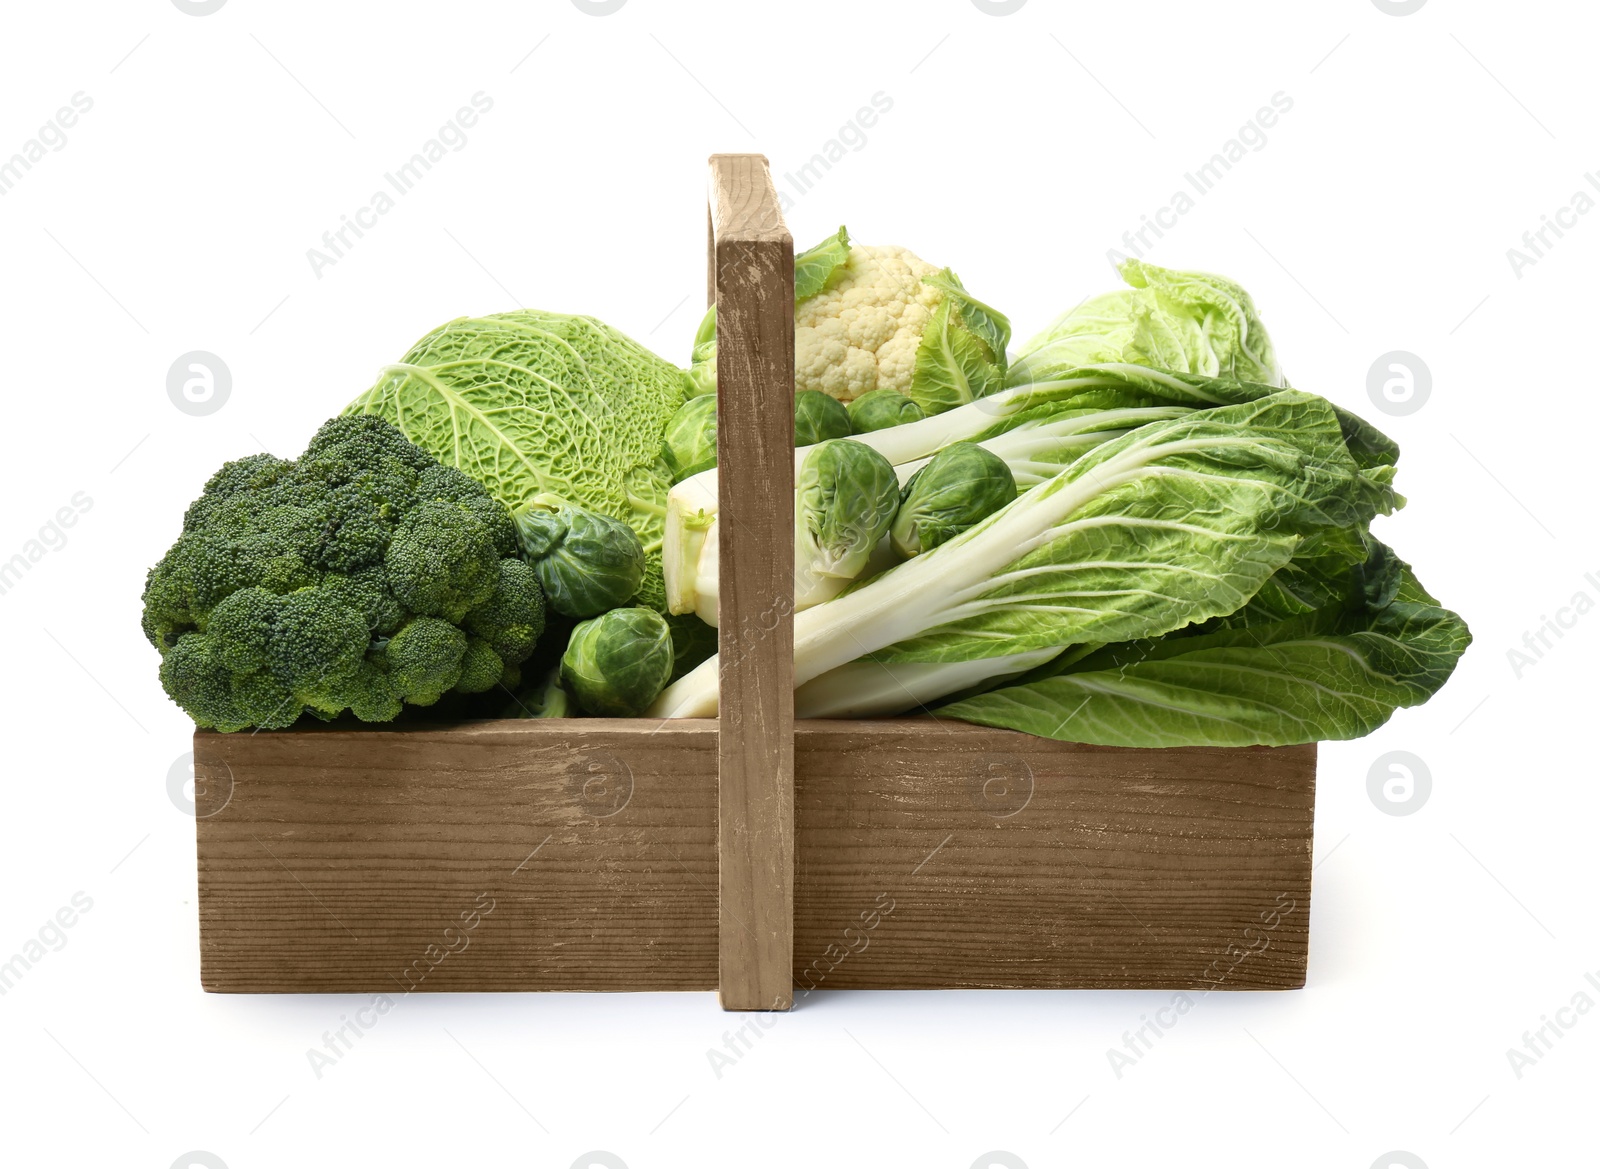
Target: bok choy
(1179, 521)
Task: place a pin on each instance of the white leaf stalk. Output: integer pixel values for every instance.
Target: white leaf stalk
(868, 689)
(981, 573)
(1035, 447)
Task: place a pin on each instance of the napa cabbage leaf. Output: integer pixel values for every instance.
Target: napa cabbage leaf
(1176, 522)
(1185, 322)
(1281, 670)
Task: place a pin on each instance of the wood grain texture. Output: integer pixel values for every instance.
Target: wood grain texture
(1015, 861)
(332, 860)
(754, 275)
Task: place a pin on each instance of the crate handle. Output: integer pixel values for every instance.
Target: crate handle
(750, 279)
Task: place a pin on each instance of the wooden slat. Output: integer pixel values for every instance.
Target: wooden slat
(754, 278)
(1016, 861)
(331, 860)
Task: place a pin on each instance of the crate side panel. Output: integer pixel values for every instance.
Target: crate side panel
(945, 855)
(538, 855)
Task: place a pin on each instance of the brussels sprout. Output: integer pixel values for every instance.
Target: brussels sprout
(586, 562)
(689, 445)
(845, 499)
(881, 409)
(959, 486)
(702, 375)
(617, 663)
(818, 418)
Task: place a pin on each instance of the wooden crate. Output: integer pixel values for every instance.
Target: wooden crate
(751, 853)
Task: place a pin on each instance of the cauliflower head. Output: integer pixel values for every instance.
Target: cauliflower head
(863, 330)
(881, 318)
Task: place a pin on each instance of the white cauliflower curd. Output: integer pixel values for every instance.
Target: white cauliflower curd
(863, 330)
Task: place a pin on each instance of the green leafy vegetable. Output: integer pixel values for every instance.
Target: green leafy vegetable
(815, 266)
(1183, 322)
(961, 356)
(1337, 671)
(702, 375)
(817, 418)
(530, 403)
(586, 562)
(881, 409)
(959, 486)
(1176, 522)
(690, 443)
(845, 500)
(1035, 429)
(360, 577)
(618, 662)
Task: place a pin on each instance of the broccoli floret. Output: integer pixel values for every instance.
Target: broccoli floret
(512, 621)
(339, 582)
(424, 660)
(442, 561)
(372, 695)
(254, 474)
(317, 645)
(214, 695)
(452, 485)
(367, 592)
(481, 668)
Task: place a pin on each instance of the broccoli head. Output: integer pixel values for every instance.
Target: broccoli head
(347, 580)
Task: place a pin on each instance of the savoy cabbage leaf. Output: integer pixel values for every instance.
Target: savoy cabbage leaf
(533, 403)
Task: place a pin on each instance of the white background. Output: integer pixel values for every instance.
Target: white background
(1377, 217)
